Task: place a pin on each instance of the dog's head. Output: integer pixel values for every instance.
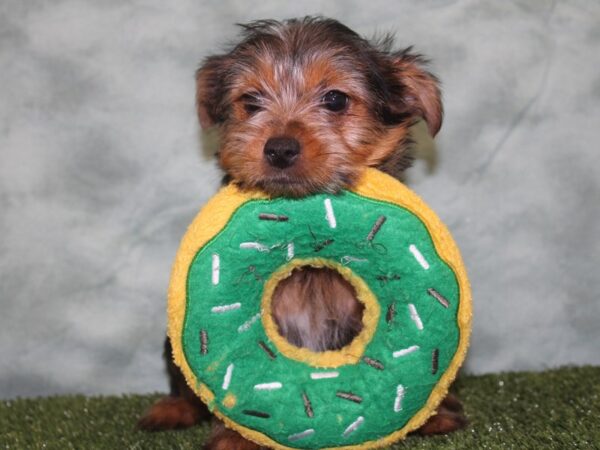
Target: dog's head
(305, 105)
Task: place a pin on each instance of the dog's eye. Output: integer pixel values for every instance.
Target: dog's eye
(252, 102)
(335, 101)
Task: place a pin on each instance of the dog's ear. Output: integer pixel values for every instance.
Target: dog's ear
(419, 89)
(211, 90)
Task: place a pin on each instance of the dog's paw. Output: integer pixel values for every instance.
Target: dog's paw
(452, 403)
(445, 421)
(169, 413)
(230, 441)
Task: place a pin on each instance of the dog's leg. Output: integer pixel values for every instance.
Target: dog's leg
(448, 418)
(222, 438)
(181, 409)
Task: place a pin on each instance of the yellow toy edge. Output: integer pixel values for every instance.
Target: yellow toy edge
(373, 184)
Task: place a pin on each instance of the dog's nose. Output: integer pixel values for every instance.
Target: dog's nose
(282, 152)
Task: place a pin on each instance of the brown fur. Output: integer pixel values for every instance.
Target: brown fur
(317, 309)
(275, 84)
(222, 438)
(181, 409)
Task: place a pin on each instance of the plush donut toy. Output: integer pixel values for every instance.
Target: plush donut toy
(405, 269)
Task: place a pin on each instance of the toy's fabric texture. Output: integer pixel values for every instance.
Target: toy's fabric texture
(404, 267)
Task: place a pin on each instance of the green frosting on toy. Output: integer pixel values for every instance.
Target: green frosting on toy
(393, 274)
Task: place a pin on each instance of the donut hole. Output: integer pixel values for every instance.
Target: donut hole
(317, 308)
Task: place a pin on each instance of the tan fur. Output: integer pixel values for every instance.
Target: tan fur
(317, 309)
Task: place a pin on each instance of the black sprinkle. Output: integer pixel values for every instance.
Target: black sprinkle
(307, 405)
(378, 223)
(273, 217)
(251, 412)
(439, 297)
(267, 350)
(391, 312)
(349, 396)
(373, 363)
(435, 357)
(203, 342)
(321, 245)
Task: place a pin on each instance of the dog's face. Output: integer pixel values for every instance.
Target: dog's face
(305, 105)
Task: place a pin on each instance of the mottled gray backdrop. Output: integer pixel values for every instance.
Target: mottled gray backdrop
(102, 166)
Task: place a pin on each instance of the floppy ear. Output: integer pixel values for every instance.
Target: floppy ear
(210, 90)
(420, 89)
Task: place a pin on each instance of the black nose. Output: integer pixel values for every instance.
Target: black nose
(282, 152)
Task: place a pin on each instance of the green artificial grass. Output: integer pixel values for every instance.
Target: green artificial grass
(556, 409)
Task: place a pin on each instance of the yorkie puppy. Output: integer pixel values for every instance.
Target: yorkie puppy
(304, 106)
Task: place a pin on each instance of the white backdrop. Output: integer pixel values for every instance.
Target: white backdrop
(102, 167)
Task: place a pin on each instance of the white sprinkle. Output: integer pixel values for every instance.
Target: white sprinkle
(321, 375)
(255, 246)
(302, 435)
(290, 250)
(227, 378)
(225, 308)
(329, 213)
(268, 386)
(414, 315)
(354, 425)
(216, 265)
(399, 396)
(345, 260)
(419, 256)
(405, 351)
(248, 323)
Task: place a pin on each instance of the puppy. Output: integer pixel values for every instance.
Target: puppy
(304, 106)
